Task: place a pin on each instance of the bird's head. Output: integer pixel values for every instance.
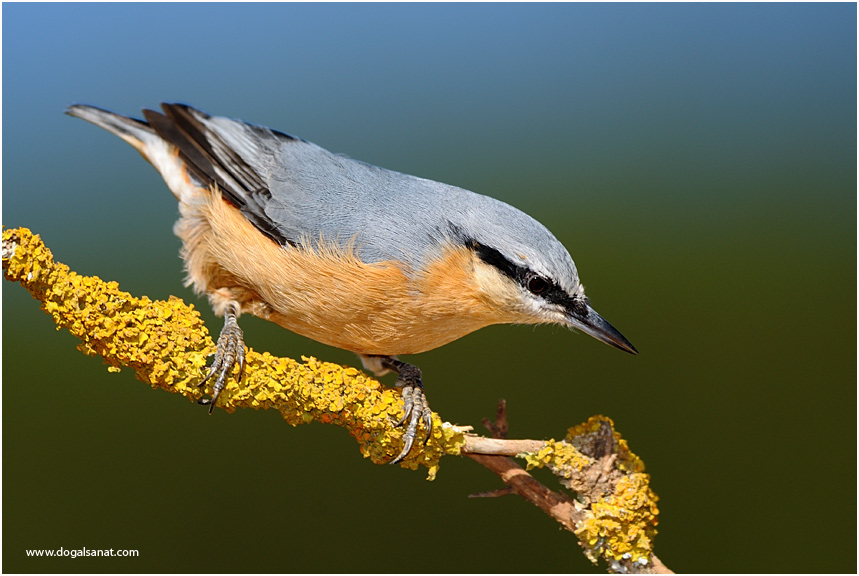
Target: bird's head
(524, 271)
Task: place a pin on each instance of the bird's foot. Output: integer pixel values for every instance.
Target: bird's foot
(415, 405)
(230, 351)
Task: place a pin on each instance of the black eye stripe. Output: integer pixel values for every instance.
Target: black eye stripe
(494, 258)
(551, 292)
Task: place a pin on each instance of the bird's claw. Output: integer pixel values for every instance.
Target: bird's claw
(415, 408)
(230, 351)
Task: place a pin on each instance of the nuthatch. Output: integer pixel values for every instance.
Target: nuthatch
(348, 254)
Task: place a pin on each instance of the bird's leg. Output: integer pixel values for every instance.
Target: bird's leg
(415, 405)
(230, 351)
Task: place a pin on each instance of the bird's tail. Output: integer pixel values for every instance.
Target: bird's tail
(163, 155)
(136, 132)
(194, 153)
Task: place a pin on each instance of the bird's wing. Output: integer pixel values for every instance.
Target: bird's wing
(296, 192)
(213, 160)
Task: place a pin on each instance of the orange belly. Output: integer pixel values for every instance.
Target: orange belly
(327, 294)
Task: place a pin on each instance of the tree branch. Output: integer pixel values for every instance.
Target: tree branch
(166, 344)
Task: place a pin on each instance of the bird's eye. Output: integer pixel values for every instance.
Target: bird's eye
(537, 284)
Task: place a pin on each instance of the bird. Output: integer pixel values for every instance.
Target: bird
(355, 256)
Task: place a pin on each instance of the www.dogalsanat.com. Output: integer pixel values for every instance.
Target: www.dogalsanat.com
(82, 552)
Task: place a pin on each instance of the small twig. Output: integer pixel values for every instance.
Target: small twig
(498, 447)
(498, 429)
(493, 493)
(557, 505)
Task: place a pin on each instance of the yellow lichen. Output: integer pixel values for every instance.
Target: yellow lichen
(618, 526)
(167, 345)
(561, 458)
(622, 525)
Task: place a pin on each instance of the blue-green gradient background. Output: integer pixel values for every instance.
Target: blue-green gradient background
(699, 161)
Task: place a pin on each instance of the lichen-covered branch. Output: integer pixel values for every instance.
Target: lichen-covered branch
(614, 514)
(167, 345)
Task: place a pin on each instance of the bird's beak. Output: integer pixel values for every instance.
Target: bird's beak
(592, 324)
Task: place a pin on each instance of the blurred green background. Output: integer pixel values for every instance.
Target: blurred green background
(699, 161)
